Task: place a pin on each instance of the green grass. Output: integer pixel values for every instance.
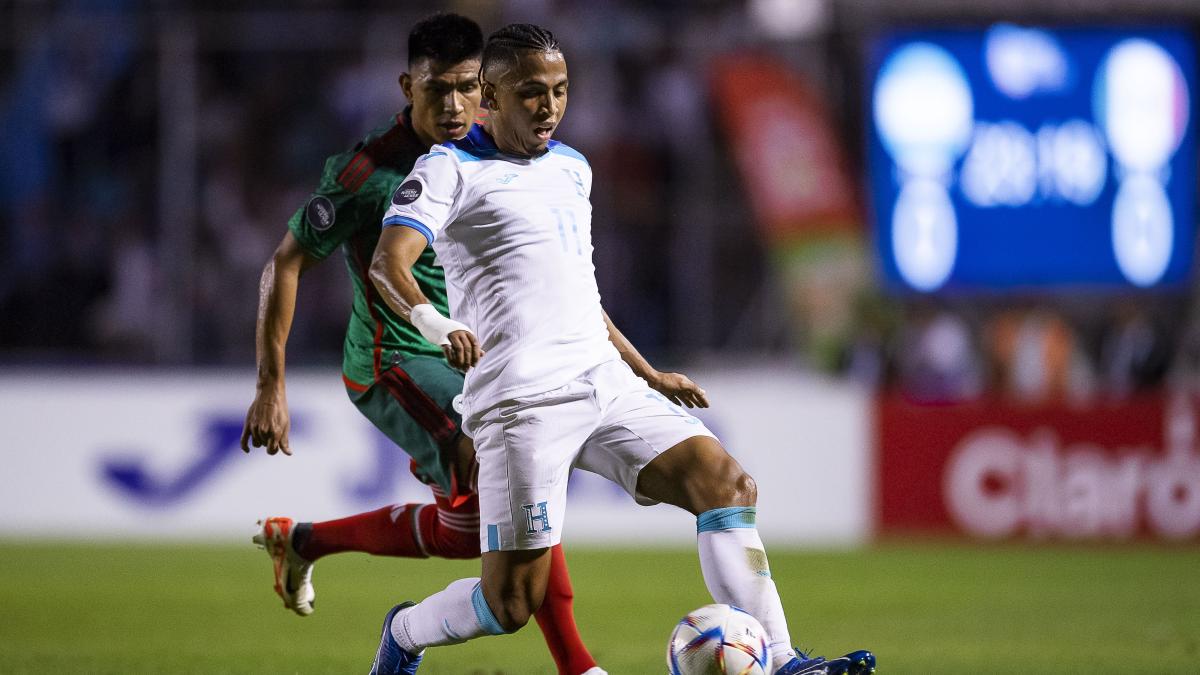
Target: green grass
(924, 608)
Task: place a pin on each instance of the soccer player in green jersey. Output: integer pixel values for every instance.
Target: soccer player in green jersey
(399, 381)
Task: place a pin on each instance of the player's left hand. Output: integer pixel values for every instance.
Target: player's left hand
(680, 390)
(462, 349)
(267, 422)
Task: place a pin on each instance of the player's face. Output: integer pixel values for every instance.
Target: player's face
(444, 98)
(528, 102)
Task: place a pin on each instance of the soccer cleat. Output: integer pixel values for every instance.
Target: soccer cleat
(293, 574)
(595, 670)
(391, 658)
(861, 662)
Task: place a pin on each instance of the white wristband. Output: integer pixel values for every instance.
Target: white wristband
(433, 326)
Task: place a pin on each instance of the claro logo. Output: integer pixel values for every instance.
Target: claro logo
(998, 484)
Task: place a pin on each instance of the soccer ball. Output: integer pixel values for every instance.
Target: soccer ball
(718, 640)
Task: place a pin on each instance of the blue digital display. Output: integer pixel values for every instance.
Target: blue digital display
(1027, 159)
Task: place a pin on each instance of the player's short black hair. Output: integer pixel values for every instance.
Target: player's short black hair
(505, 45)
(445, 38)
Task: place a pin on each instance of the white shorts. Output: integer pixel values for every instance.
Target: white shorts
(607, 421)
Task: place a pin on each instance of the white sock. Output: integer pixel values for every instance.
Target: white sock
(456, 614)
(735, 569)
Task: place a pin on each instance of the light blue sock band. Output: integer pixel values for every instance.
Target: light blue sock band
(483, 613)
(726, 519)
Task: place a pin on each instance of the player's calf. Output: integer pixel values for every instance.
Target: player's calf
(698, 475)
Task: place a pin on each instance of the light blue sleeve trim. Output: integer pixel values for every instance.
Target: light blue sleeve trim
(405, 221)
(728, 518)
(567, 150)
(493, 538)
(483, 613)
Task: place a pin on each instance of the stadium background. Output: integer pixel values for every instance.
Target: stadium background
(988, 472)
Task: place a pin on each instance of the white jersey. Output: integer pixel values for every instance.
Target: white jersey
(514, 237)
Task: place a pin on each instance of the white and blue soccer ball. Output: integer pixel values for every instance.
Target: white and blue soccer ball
(718, 640)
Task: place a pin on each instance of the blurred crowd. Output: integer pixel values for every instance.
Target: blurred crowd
(89, 274)
(93, 120)
(1025, 351)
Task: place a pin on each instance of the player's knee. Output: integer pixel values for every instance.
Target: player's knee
(515, 611)
(514, 585)
(720, 484)
(746, 489)
(698, 475)
(734, 487)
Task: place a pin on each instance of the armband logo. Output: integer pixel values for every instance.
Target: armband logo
(320, 213)
(407, 193)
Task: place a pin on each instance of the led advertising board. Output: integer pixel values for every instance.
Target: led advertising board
(1032, 159)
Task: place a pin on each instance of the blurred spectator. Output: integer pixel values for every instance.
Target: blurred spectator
(938, 358)
(1184, 368)
(1134, 354)
(1036, 357)
(868, 352)
(123, 320)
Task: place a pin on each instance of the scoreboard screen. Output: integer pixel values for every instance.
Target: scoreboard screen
(1032, 159)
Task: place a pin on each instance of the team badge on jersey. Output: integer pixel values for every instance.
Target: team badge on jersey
(320, 213)
(407, 193)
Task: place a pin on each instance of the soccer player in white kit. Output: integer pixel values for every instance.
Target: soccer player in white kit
(551, 382)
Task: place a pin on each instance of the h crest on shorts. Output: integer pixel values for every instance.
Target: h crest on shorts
(543, 517)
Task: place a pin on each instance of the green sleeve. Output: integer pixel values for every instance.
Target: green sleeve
(332, 214)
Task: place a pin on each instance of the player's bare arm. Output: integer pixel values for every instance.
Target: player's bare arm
(391, 273)
(677, 387)
(267, 421)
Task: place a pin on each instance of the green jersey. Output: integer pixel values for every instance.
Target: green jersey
(347, 211)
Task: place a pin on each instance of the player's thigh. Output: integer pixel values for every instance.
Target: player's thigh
(525, 450)
(412, 404)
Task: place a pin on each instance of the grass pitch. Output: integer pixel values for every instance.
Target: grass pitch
(923, 608)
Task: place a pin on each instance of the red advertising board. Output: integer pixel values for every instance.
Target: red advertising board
(785, 146)
(998, 470)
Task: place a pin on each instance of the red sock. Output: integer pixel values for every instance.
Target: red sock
(386, 531)
(448, 531)
(443, 531)
(557, 620)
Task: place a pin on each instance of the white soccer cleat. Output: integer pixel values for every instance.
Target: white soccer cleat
(594, 671)
(293, 574)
